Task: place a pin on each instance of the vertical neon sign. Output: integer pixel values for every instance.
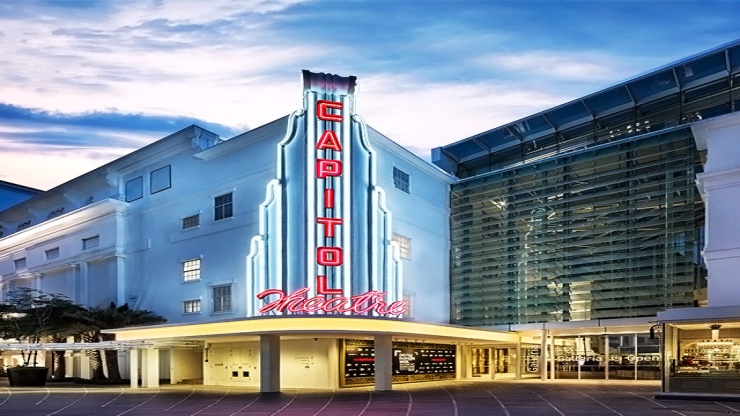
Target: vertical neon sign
(305, 258)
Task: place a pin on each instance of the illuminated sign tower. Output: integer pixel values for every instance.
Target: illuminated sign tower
(324, 243)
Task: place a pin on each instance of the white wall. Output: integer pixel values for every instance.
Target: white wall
(720, 188)
(313, 362)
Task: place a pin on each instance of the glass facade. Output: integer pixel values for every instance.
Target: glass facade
(609, 231)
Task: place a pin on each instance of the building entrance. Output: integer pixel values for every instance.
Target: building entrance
(480, 360)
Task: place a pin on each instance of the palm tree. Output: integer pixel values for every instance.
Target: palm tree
(32, 315)
(118, 317)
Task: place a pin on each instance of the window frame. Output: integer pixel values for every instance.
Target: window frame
(151, 179)
(85, 241)
(404, 245)
(214, 302)
(197, 222)
(47, 253)
(401, 180)
(194, 304)
(139, 178)
(17, 263)
(191, 274)
(220, 210)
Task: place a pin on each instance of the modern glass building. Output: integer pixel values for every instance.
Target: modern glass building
(588, 210)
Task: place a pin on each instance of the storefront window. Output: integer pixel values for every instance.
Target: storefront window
(579, 357)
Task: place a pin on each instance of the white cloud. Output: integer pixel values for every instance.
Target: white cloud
(426, 115)
(571, 66)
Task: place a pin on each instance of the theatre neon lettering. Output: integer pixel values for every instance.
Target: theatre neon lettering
(371, 302)
(323, 210)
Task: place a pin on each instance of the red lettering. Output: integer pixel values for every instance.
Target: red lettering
(328, 167)
(329, 256)
(329, 198)
(329, 141)
(364, 303)
(329, 224)
(321, 288)
(322, 110)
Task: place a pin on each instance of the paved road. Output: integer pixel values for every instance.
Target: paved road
(455, 398)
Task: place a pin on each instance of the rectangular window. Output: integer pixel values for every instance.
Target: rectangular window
(88, 243)
(20, 263)
(221, 298)
(404, 246)
(135, 189)
(191, 306)
(401, 180)
(223, 207)
(191, 221)
(160, 180)
(52, 253)
(191, 270)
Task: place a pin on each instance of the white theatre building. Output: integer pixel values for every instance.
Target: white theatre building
(211, 233)
(596, 239)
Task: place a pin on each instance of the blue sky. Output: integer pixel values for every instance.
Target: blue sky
(84, 82)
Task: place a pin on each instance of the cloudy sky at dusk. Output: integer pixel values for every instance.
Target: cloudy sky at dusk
(83, 82)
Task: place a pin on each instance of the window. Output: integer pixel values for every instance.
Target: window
(401, 180)
(223, 206)
(191, 221)
(404, 246)
(191, 270)
(191, 306)
(135, 189)
(52, 253)
(88, 243)
(20, 263)
(221, 298)
(160, 180)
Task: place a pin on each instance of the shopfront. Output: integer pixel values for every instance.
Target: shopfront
(702, 351)
(308, 352)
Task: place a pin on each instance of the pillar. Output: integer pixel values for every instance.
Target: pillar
(383, 363)
(606, 357)
(552, 357)
(133, 366)
(269, 363)
(518, 360)
(543, 355)
(492, 362)
(150, 367)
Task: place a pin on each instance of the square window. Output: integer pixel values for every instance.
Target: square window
(401, 180)
(221, 298)
(20, 263)
(88, 243)
(52, 254)
(191, 221)
(404, 246)
(191, 306)
(160, 180)
(223, 207)
(135, 189)
(191, 270)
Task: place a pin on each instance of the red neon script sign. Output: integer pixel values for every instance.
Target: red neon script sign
(330, 300)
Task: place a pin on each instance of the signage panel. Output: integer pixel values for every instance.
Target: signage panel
(411, 362)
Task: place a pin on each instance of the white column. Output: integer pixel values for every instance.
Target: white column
(492, 363)
(518, 360)
(269, 363)
(543, 355)
(133, 366)
(121, 297)
(606, 357)
(150, 367)
(552, 357)
(635, 338)
(383, 363)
